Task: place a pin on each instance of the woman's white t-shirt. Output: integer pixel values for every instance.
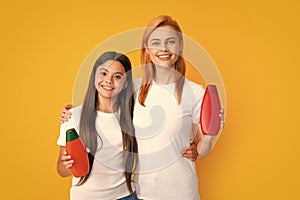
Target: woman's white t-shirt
(163, 130)
(106, 180)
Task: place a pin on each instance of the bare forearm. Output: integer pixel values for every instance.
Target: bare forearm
(62, 170)
(205, 145)
(203, 142)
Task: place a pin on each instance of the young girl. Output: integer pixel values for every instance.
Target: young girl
(104, 123)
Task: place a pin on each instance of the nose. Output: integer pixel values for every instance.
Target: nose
(163, 47)
(108, 80)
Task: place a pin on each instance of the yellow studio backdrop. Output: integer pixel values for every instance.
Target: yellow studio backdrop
(255, 45)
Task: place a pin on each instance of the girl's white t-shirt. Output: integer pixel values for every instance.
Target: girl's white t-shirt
(163, 130)
(106, 180)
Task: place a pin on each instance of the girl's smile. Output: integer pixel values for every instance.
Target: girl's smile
(110, 79)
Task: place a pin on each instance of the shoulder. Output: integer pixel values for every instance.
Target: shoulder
(137, 83)
(76, 113)
(76, 110)
(195, 87)
(73, 122)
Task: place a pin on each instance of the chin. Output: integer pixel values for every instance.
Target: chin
(165, 64)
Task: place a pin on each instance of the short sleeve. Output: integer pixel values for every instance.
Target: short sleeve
(199, 93)
(73, 122)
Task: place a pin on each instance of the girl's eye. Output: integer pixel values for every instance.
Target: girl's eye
(118, 77)
(102, 73)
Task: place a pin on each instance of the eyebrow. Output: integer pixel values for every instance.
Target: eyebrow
(103, 69)
(119, 73)
(155, 39)
(160, 39)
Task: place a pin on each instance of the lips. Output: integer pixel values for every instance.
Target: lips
(107, 87)
(164, 56)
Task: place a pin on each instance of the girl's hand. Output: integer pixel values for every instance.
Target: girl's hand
(65, 114)
(64, 163)
(190, 152)
(66, 160)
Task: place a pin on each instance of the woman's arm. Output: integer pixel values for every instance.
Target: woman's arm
(203, 142)
(191, 152)
(206, 143)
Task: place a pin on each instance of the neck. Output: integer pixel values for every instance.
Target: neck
(107, 105)
(165, 75)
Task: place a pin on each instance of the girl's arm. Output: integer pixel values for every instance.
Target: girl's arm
(64, 163)
(195, 137)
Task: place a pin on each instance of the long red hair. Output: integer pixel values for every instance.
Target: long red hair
(149, 71)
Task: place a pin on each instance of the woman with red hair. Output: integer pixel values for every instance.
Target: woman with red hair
(167, 110)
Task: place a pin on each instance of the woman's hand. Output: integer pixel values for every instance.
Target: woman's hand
(222, 117)
(65, 114)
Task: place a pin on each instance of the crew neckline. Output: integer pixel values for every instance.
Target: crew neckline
(162, 84)
(105, 113)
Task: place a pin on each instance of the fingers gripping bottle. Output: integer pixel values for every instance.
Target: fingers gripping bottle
(76, 148)
(210, 111)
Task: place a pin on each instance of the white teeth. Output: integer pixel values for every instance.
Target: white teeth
(107, 88)
(164, 56)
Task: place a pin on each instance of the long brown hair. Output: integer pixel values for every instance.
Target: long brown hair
(125, 103)
(149, 71)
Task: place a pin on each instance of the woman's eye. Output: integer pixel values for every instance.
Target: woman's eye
(171, 42)
(155, 43)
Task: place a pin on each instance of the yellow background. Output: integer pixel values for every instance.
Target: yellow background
(255, 45)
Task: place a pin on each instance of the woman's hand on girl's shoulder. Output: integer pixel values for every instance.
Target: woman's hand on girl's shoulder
(65, 114)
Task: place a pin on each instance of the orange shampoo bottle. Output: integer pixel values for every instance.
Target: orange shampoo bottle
(76, 148)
